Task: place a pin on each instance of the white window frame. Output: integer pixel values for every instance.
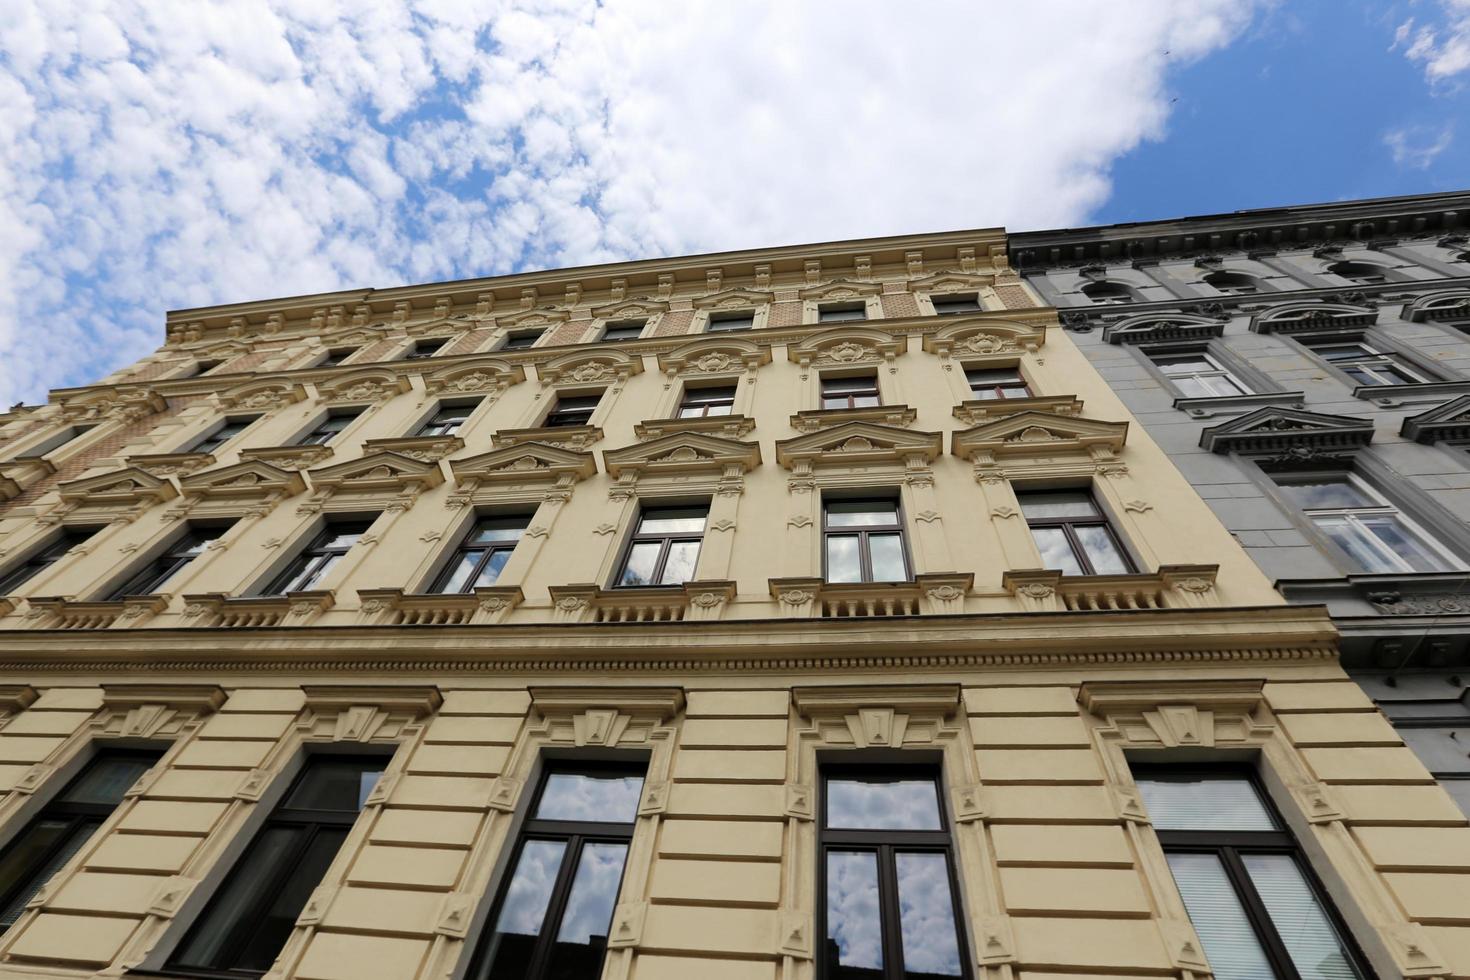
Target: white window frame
(1203, 377)
(1371, 356)
(1352, 516)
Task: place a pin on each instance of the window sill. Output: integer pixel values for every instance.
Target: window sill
(425, 449)
(641, 604)
(1231, 405)
(54, 612)
(391, 607)
(725, 426)
(170, 464)
(1427, 393)
(932, 593)
(1171, 587)
(817, 419)
(217, 610)
(288, 457)
(573, 437)
(977, 411)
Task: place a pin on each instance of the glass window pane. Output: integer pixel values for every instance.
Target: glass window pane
(1388, 529)
(885, 552)
(1184, 363)
(1326, 494)
(508, 953)
(673, 520)
(455, 578)
(1102, 551)
(843, 561)
(499, 529)
(854, 803)
(1298, 917)
(278, 918)
(105, 780)
(341, 538)
(1231, 946)
(577, 953)
(862, 513)
(854, 934)
(335, 784)
(313, 572)
(926, 916)
(1056, 550)
(1363, 548)
(493, 567)
(24, 864)
(1206, 803)
(679, 566)
(1060, 504)
(226, 912)
(642, 563)
(599, 797)
(1192, 387)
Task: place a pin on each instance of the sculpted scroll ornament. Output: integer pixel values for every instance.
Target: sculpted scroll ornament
(847, 352)
(714, 362)
(987, 343)
(590, 372)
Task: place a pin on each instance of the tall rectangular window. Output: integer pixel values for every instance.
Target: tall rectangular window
(994, 383)
(1198, 375)
(1258, 912)
(1366, 365)
(890, 905)
(1370, 530)
(56, 440)
(328, 429)
(223, 434)
(154, 575)
(481, 556)
(554, 910)
(317, 559)
(1072, 533)
(336, 356)
(856, 392)
(43, 559)
(699, 403)
(841, 312)
(665, 547)
(624, 330)
(726, 322)
(242, 929)
(447, 419)
(864, 542)
(521, 339)
(949, 304)
(425, 349)
(55, 834)
(571, 410)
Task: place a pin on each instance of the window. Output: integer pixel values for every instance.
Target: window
(447, 419)
(887, 878)
(249, 919)
(56, 441)
(665, 547)
(223, 434)
(318, 558)
(1362, 273)
(863, 541)
(572, 410)
(521, 340)
(1108, 293)
(841, 312)
(1233, 283)
(724, 322)
(1072, 534)
(1256, 907)
(623, 330)
(336, 356)
(58, 832)
(1364, 364)
(156, 573)
(44, 559)
(481, 556)
(992, 383)
(204, 367)
(857, 392)
(424, 349)
(327, 429)
(951, 303)
(555, 908)
(1364, 525)
(701, 402)
(1197, 375)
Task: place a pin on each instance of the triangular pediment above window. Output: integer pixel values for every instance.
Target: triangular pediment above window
(857, 443)
(842, 346)
(524, 462)
(1306, 317)
(544, 317)
(1155, 328)
(479, 375)
(950, 282)
(980, 336)
(1440, 305)
(380, 471)
(1039, 434)
(590, 367)
(126, 486)
(715, 355)
(733, 299)
(251, 479)
(630, 309)
(683, 452)
(368, 385)
(1441, 423)
(840, 289)
(262, 393)
(1277, 430)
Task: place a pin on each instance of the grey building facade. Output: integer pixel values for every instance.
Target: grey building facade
(1308, 369)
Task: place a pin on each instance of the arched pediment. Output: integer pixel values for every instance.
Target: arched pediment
(543, 317)
(1039, 434)
(590, 367)
(840, 289)
(733, 299)
(1289, 433)
(846, 345)
(366, 385)
(131, 485)
(630, 309)
(1302, 317)
(479, 374)
(859, 443)
(250, 479)
(1442, 304)
(981, 336)
(262, 393)
(715, 354)
(380, 471)
(682, 452)
(524, 462)
(1159, 327)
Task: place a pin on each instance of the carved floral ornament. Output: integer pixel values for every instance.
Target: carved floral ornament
(363, 386)
(715, 355)
(480, 375)
(581, 367)
(262, 394)
(115, 406)
(980, 336)
(843, 346)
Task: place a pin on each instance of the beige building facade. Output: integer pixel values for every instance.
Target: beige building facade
(809, 612)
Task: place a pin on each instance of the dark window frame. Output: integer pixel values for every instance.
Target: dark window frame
(1373, 349)
(731, 316)
(1021, 384)
(690, 398)
(865, 553)
(42, 558)
(424, 349)
(336, 356)
(513, 339)
(466, 408)
(949, 304)
(1228, 845)
(885, 843)
(667, 540)
(489, 549)
(211, 440)
(830, 312)
(871, 391)
(153, 574)
(316, 555)
(319, 435)
(560, 417)
(1067, 525)
(623, 328)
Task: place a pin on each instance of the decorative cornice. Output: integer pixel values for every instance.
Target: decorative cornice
(1289, 433)
(979, 411)
(1297, 317)
(574, 438)
(682, 452)
(724, 426)
(815, 420)
(425, 449)
(1442, 423)
(1106, 698)
(1441, 305)
(197, 698)
(941, 700)
(1150, 329)
(331, 698)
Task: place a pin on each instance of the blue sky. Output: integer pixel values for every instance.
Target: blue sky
(163, 154)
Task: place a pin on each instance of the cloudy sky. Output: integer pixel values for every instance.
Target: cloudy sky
(161, 154)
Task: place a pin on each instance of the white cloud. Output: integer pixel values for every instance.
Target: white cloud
(1418, 146)
(1443, 50)
(157, 154)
